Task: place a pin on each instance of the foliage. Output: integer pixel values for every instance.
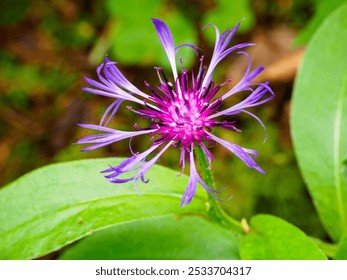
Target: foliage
(130, 32)
(70, 210)
(318, 114)
(57, 202)
(268, 240)
(166, 238)
(322, 10)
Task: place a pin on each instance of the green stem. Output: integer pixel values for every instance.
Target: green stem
(214, 210)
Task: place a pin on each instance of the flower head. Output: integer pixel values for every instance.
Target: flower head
(182, 112)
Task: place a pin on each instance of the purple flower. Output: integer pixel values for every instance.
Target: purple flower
(182, 112)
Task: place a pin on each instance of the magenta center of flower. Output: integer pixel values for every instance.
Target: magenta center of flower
(182, 111)
(185, 120)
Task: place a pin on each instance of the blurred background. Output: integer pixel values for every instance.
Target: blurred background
(47, 47)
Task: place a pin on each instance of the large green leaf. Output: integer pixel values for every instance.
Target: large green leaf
(323, 9)
(318, 123)
(58, 204)
(272, 238)
(160, 239)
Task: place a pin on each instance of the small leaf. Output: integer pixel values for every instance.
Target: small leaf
(53, 206)
(272, 238)
(159, 239)
(318, 121)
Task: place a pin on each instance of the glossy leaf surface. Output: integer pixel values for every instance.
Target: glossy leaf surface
(319, 121)
(272, 238)
(51, 207)
(160, 239)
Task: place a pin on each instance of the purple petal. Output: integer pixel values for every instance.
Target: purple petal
(96, 127)
(97, 84)
(226, 52)
(246, 81)
(254, 99)
(240, 152)
(114, 92)
(119, 78)
(166, 40)
(113, 74)
(194, 179)
(110, 84)
(195, 48)
(182, 161)
(148, 165)
(207, 153)
(259, 121)
(114, 107)
(220, 51)
(112, 136)
(131, 164)
(108, 93)
(192, 184)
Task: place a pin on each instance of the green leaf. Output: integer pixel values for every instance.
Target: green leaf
(323, 9)
(159, 239)
(272, 238)
(53, 206)
(134, 39)
(318, 121)
(341, 253)
(329, 249)
(227, 14)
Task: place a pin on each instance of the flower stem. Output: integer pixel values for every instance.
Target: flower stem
(215, 211)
